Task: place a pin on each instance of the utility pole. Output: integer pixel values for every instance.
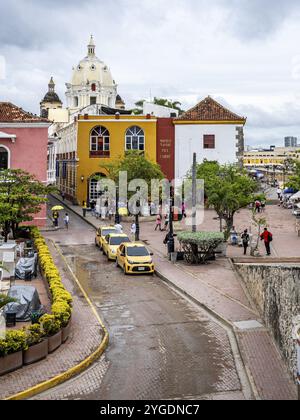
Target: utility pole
(171, 242)
(194, 193)
(117, 216)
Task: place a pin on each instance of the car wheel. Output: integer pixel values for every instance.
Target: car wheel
(117, 264)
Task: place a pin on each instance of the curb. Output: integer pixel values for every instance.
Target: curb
(76, 370)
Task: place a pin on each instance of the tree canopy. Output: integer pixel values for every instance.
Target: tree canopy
(159, 101)
(294, 180)
(21, 196)
(227, 189)
(137, 166)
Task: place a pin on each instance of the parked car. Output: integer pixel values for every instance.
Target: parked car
(111, 244)
(101, 233)
(134, 258)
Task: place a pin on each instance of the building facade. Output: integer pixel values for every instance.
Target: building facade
(290, 141)
(91, 142)
(211, 131)
(23, 145)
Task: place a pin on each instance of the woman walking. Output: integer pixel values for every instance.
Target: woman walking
(158, 223)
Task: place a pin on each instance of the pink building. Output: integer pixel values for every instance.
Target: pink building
(23, 145)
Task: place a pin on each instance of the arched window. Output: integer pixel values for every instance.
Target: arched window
(4, 158)
(135, 139)
(99, 142)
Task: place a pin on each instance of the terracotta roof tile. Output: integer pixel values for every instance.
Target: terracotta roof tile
(209, 110)
(12, 113)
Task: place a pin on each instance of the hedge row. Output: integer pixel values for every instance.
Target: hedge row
(61, 305)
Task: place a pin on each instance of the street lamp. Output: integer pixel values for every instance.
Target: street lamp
(137, 218)
(171, 242)
(117, 215)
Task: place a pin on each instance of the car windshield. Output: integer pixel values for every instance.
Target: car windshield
(118, 241)
(137, 252)
(108, 231)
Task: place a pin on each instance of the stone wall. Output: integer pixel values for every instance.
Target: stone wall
(275, 290)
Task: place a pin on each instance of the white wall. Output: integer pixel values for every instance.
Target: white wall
(189, 140)
(158, 110)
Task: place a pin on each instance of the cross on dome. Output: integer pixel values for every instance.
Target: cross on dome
(91, 47)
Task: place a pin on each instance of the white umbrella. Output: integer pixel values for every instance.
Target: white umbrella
(295, 197)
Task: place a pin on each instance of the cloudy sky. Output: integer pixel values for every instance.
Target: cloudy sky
(245, 53)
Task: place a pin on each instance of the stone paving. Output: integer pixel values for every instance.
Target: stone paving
(218, 288)
(85, 338)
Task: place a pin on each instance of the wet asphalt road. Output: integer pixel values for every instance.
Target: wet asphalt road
(161, 345)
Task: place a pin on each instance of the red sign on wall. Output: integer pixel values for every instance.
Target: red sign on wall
(166, 146)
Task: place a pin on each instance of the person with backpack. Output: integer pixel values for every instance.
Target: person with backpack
(267, 237)
(246, 240)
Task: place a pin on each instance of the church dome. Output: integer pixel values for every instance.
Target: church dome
(91, 69)
(51, 96)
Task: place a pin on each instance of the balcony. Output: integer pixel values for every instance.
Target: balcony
(100, 154)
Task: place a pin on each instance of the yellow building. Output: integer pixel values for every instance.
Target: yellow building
(91, 142)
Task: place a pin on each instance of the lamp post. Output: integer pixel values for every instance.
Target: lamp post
(137, 219)
(117, 215)
(171, 242)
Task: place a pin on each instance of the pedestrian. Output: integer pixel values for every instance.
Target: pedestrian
(234, 236)
(267, 237)
(93, 207)
(263, 206)
(158, 223)
(55, 218)
(84, 209)
(63, 195)
(119, 228)
(167, 220)
(183, 210)
(279, 193)
(246, 241)
(67, 221)
(257, 206)
(133, 230)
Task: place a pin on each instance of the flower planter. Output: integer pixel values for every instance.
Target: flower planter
(11, 362)
(54, 342)
(66, 332)
(36, 353)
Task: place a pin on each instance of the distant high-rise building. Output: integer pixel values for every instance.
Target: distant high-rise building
(291, 141)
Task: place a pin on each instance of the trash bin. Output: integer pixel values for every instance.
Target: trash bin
(11, 319)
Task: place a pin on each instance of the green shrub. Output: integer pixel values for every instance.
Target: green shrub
(14, 341)
(50, 325)
(34, 335)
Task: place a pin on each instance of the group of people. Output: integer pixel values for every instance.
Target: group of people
(266, 236)
(160, 220)
(55, 219)
(260, 206)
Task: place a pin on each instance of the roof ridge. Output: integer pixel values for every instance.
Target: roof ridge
(210, 110)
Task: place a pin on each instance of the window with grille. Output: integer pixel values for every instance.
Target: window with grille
(209, 142)
(135, 139)
(100, 142)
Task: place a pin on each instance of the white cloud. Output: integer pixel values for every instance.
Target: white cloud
(244, 52)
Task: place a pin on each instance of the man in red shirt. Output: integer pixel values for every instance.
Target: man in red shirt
(267, 237)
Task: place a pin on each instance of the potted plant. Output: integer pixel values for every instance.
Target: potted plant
(37, 345)
(11, 351)
(52, 330)
(62, 312)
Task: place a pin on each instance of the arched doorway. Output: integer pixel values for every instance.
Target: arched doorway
(4, 158)
(93, 187)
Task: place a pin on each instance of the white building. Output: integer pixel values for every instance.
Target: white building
(211, 131)
(92, 83)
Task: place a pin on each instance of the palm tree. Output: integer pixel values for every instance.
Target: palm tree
(5, 300)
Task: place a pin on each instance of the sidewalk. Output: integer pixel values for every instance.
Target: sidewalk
(218, 289)
(85, 338)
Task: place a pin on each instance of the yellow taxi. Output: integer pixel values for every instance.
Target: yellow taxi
(134, 258)
(111, 244)
(101, 233)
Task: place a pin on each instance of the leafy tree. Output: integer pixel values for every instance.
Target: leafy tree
(294, 180)
(137, 166)
(199, 247)
(227, 189)
(21, 196)
(158, 101)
